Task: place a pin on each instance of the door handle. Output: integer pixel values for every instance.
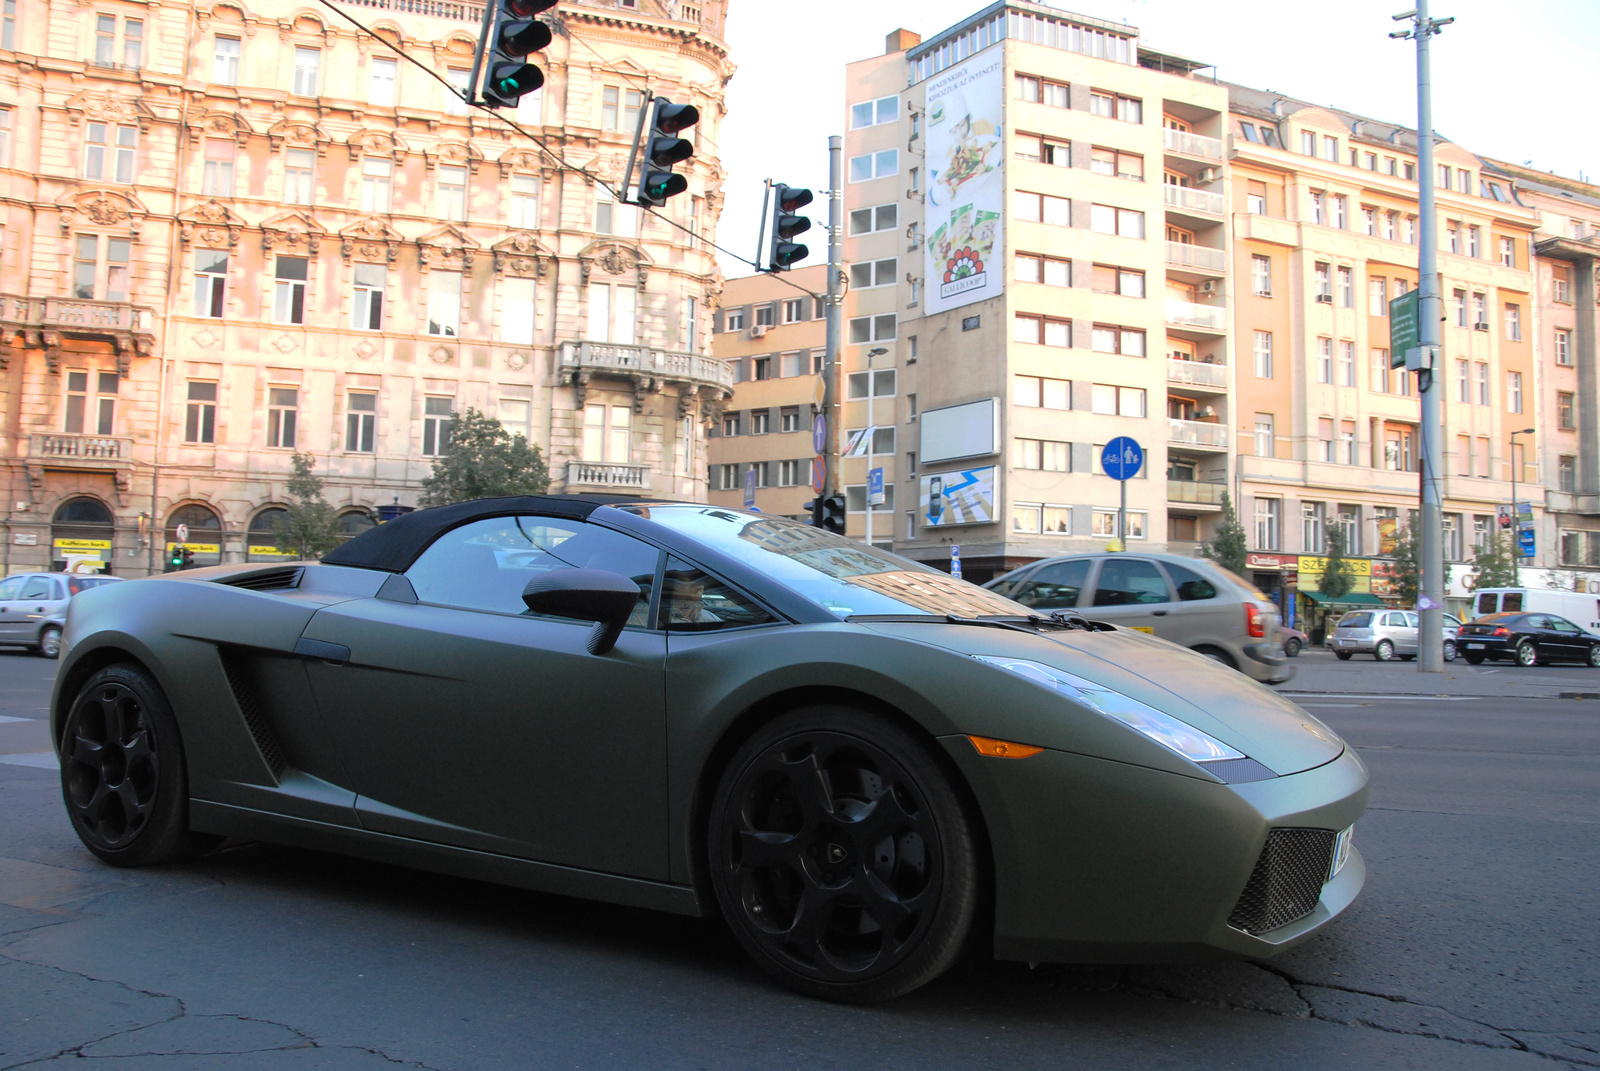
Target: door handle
(1158, 613)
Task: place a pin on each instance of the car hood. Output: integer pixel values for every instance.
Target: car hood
(1192, 688)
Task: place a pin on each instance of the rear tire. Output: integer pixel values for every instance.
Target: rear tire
(123, 777)
(842, 857)
(1343, 656)
(1384, 652)
(1449, 650)
(1594, 655)
(1527, 654)
(1474, 659)
(1216, 654)
(49, 642)
(1291, 647)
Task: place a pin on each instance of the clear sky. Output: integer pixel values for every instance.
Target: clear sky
(1510, 81)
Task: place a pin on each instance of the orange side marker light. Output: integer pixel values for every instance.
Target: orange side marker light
(1003, 749)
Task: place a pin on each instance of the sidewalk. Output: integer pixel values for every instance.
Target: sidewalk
(1318, 671)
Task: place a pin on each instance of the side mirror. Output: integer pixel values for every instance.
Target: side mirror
(597, 595)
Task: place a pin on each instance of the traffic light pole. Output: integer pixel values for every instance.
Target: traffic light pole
(831, 408)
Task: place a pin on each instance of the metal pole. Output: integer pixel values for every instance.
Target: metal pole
(1122, 517)
(1516, 517)
(1430, 602)
(830, 365)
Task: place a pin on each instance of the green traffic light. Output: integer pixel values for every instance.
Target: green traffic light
(659, 185)
(514, 80)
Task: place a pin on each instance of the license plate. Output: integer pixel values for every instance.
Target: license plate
(1474, 646)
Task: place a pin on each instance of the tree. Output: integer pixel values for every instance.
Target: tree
(1408, 565)
(1492, 565)
(1337, 576)
(483, 460)
(311, 528)
(1228, 548)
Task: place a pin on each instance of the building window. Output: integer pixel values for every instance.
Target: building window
(613, 313)
(1318, 216)
(1377, 296)
(1391, 225)
(1453, 550)
(1508, 252)
(225, 61)
(360, 422)
(8, 25)
(760, 420)
(1483, 383)
(1369, 221)
(1109, 400)
(1035, 392)
(217, 178)
(307, 62)
(789, 418)
(730, 425)
(877, 384)
(608, 433)
(375, 174)
(873, 112)
(1324, 360)
(1347, 363)
(1116, 106)
(1561, 284)
(865, 329)
(1458, 304)
(380, 81)
(1107, 219)
(1041, 455)
(1114, 280)
(733, 320)
(1024, 87)
(1339, 215)
(78, 399)
(1032, 268)
(1330, 148)
(1261, 275)
(1263, 354)
(864, 276)
(1563, 346)
(1514, 322)
(289, 290)
(283, 403)
(210, 281)
(875, 165)
(1513, 391)
(453, 193)
(366, 310)
(1104, 522)
(444, 303)
(1269, 511)
(1256, 198)
(93, 278)
(299, 169)
(200, 422)
(1564, 410)
(1463, 381)
(1311, 526)
(1378, 372)
(1474, 241)
(460, 87)
(874, 219)
(1347, 288)
(109, 152)
(1308, 143)
(1567, 473)
(516, 311)
(1114, 163)
(1323, 277)
(524, 201)
(436, 415)
(613, 218)
(794, 308)
(1348, 450)
(1452, 234)
(1109, 338)
(1263, 435)
(1410, 229)
(628, 119)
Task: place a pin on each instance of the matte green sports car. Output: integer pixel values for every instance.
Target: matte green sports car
(865, 765)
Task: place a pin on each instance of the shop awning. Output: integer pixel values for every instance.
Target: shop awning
(1354, 598)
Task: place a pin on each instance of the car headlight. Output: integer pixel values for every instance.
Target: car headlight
(1164, 729)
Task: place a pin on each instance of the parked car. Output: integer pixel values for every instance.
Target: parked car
(33, 607)
(866, 765)
(1581, 609)
(1385, 634)
(1294, 641)
(1528, 640)
(1189, 601)
(1452, 627)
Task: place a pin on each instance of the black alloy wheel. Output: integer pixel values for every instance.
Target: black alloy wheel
(122, 771)
(1594, 654)
(1527, 653)
(842, 857)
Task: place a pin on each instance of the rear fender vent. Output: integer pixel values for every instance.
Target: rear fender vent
(1287, 881)
(267, 579)
(238, 673)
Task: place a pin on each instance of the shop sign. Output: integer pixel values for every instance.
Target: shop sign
(1268, 562)
(25, 539)
(1319, 565)
(272, 551)
(79, 545)
(198, 548)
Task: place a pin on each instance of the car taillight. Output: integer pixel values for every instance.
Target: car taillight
(1254, 624)
(1501, 631)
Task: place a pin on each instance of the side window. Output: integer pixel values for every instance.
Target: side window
(1130, 582)
(1511, 602)
(1561, 624)
(1056, 587)
(1191, 585)
(1008, 585)
(37, 587)
(693, 600)
(1486, 603)
(486, 565)
(10, 587)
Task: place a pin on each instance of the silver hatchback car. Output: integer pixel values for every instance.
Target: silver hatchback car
(1189, 601)
(33, 607)
(1386, 634)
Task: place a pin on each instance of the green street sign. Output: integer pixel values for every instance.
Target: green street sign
(1404, 327)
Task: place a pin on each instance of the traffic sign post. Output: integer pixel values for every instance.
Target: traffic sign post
(1404, 327)
(874, 497)
(183, 533)
(1122, 458)
(955, 560)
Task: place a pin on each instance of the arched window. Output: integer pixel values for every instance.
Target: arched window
(204, 540)
(353, 522)
(81, 536)
(261, 544)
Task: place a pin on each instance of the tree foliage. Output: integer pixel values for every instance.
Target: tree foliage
(1337, 577)
(311, 528)
(1492, 565)
(483, 460)
(1228, 548)
(1408, 564)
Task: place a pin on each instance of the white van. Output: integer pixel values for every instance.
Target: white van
(1581, 610)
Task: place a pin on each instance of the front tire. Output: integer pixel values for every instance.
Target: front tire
(842, 858)
(1384, 652)
(1527, 654)
(1474, 659)
(1594, 655)
(122, 772)
(1291, 647)
(49, 642)
(1343, 656)
(1449, 650)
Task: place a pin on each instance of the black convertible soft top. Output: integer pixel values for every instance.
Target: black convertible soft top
(394, 546)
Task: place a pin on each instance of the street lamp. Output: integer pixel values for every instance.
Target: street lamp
(1516, 514)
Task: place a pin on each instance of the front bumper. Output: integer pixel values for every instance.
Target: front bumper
(1104, 862)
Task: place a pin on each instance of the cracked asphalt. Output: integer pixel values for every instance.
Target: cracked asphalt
(1473, 946)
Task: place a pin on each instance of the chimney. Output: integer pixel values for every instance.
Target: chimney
(899, 41)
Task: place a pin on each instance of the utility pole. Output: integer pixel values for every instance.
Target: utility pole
(1430, 596)
(831, 408)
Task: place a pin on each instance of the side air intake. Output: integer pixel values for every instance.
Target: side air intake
(267, 580)
(1287, 881)
(255, 717)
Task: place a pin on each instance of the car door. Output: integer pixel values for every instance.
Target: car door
(1133, 592)
(1055, 586)
(1404, 626)
(1202, 614)
(32, 605)
(464, 719)
(10, 619)
(1565, 639)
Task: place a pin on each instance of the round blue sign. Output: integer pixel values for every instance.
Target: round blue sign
(1122, 458)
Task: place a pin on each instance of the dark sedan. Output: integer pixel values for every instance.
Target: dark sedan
(1528, 640)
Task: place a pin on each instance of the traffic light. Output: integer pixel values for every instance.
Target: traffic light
(175, 558)
(512, 36)
(188, 558)
(663, 148)
(781, 252)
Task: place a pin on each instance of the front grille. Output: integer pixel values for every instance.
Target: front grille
(1287, 881)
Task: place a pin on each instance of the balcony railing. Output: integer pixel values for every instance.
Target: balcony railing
(1192, 144)
(1197, 433)
(642, 360)
(1204, 257)
(93, 448)
(608, 474)
(1197, 373)
(1199, 492)
(1187, 197)
(74, 314)
(1189, 314)
(443, 9)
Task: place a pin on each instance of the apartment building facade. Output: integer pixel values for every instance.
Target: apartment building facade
(1035, 207)
(772, 332)
(231, 232)
(1327, 433)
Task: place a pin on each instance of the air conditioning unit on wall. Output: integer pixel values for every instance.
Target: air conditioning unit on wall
(1207, 176)
(758, 331)
(1324, 299)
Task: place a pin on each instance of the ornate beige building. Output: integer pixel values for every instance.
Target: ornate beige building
(233, 230)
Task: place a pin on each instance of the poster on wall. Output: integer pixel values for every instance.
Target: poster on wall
(964, 255)
(963, 497)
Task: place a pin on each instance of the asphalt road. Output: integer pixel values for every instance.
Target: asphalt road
(1474, 945)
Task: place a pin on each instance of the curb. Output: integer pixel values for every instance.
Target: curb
(1439, 695)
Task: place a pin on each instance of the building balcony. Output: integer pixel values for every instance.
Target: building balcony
(607, 476)
(1197, 433)
(1199, 374)
(1181, 141)
(1208, 319)
(651, 370)
(1192, 200)
(102, 452)
(1199, 258)
(442, 9)
(1187, 548)
(43, 322)
(1207, 493)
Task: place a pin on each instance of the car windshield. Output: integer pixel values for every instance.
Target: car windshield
(1361, 619)
(841, 575)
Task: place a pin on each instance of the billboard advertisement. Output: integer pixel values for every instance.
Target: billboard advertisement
(964, 255)
(971, 429)
(963, 497)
